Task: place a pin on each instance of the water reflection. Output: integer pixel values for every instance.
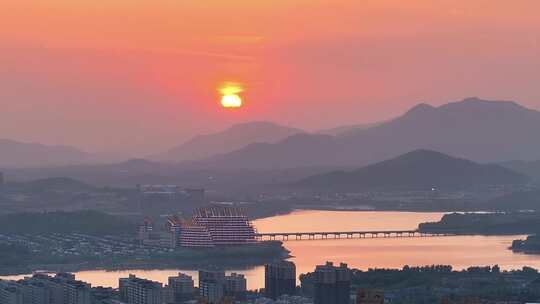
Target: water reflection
(458, 251)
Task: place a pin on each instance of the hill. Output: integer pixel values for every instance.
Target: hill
(529, 168)
(19, 154)
(130, 172)
(86, 222)
(52, 184)
(475, 129)
(519, 200)
(420, 169)
(511, 223)
(233, 138)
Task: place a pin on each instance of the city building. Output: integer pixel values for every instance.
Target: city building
(144, 231)
(174, 224)
(77, 292)
(147, 235)
(235, 286)
(10, 293)
(332, 284)
(213, 226)
(279, 279)
(135, 290)
(193, 234)
(167, 295)
(35, 292)
(44, 289)
(215, 286)
(369, 296)
(212, 286)
(181, 287)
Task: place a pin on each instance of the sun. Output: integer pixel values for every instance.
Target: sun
(231, 101)
(230, 92)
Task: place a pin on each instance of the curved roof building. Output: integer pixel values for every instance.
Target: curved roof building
(214, 226)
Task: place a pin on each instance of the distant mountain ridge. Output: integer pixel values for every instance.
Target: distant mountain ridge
(233, 138)
(529, 168)
(344, 130)
(475, 129)
(19, 154)
(419, 169)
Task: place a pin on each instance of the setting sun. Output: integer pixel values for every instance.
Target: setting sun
(231, 101)
(230, 92)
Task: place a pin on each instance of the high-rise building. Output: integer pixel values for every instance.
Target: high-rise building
(10, 293)
(77, 292)
(181, 287)
(43, 289)
(332, 284)
(215, 286)
(212, 285)
(167, 295)
(35, 292)
(135, 290)
(66, 290)
(369, 296)
(279, 279)
(235, 286)
(55, 285)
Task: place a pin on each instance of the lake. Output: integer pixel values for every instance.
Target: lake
(458, 251)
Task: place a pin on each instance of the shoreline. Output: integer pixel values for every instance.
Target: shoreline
(226, 257)
(349, 209)
(365, 208)
(55, 268)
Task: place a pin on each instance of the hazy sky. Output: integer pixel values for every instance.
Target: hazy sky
(139, 76)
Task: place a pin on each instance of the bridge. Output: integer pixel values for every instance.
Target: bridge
(323, 235)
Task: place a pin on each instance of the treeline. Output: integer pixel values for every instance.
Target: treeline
(530, 245)
(485, 223)
(427, 275)
(86, 222)
(433, 284)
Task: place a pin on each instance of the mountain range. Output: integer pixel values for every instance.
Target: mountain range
(233, 138)
(419, 169)
(19, 154)
(475, 129)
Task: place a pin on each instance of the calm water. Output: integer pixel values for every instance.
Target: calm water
(459, 251)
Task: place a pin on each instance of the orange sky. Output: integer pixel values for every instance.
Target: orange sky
(138, 76)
